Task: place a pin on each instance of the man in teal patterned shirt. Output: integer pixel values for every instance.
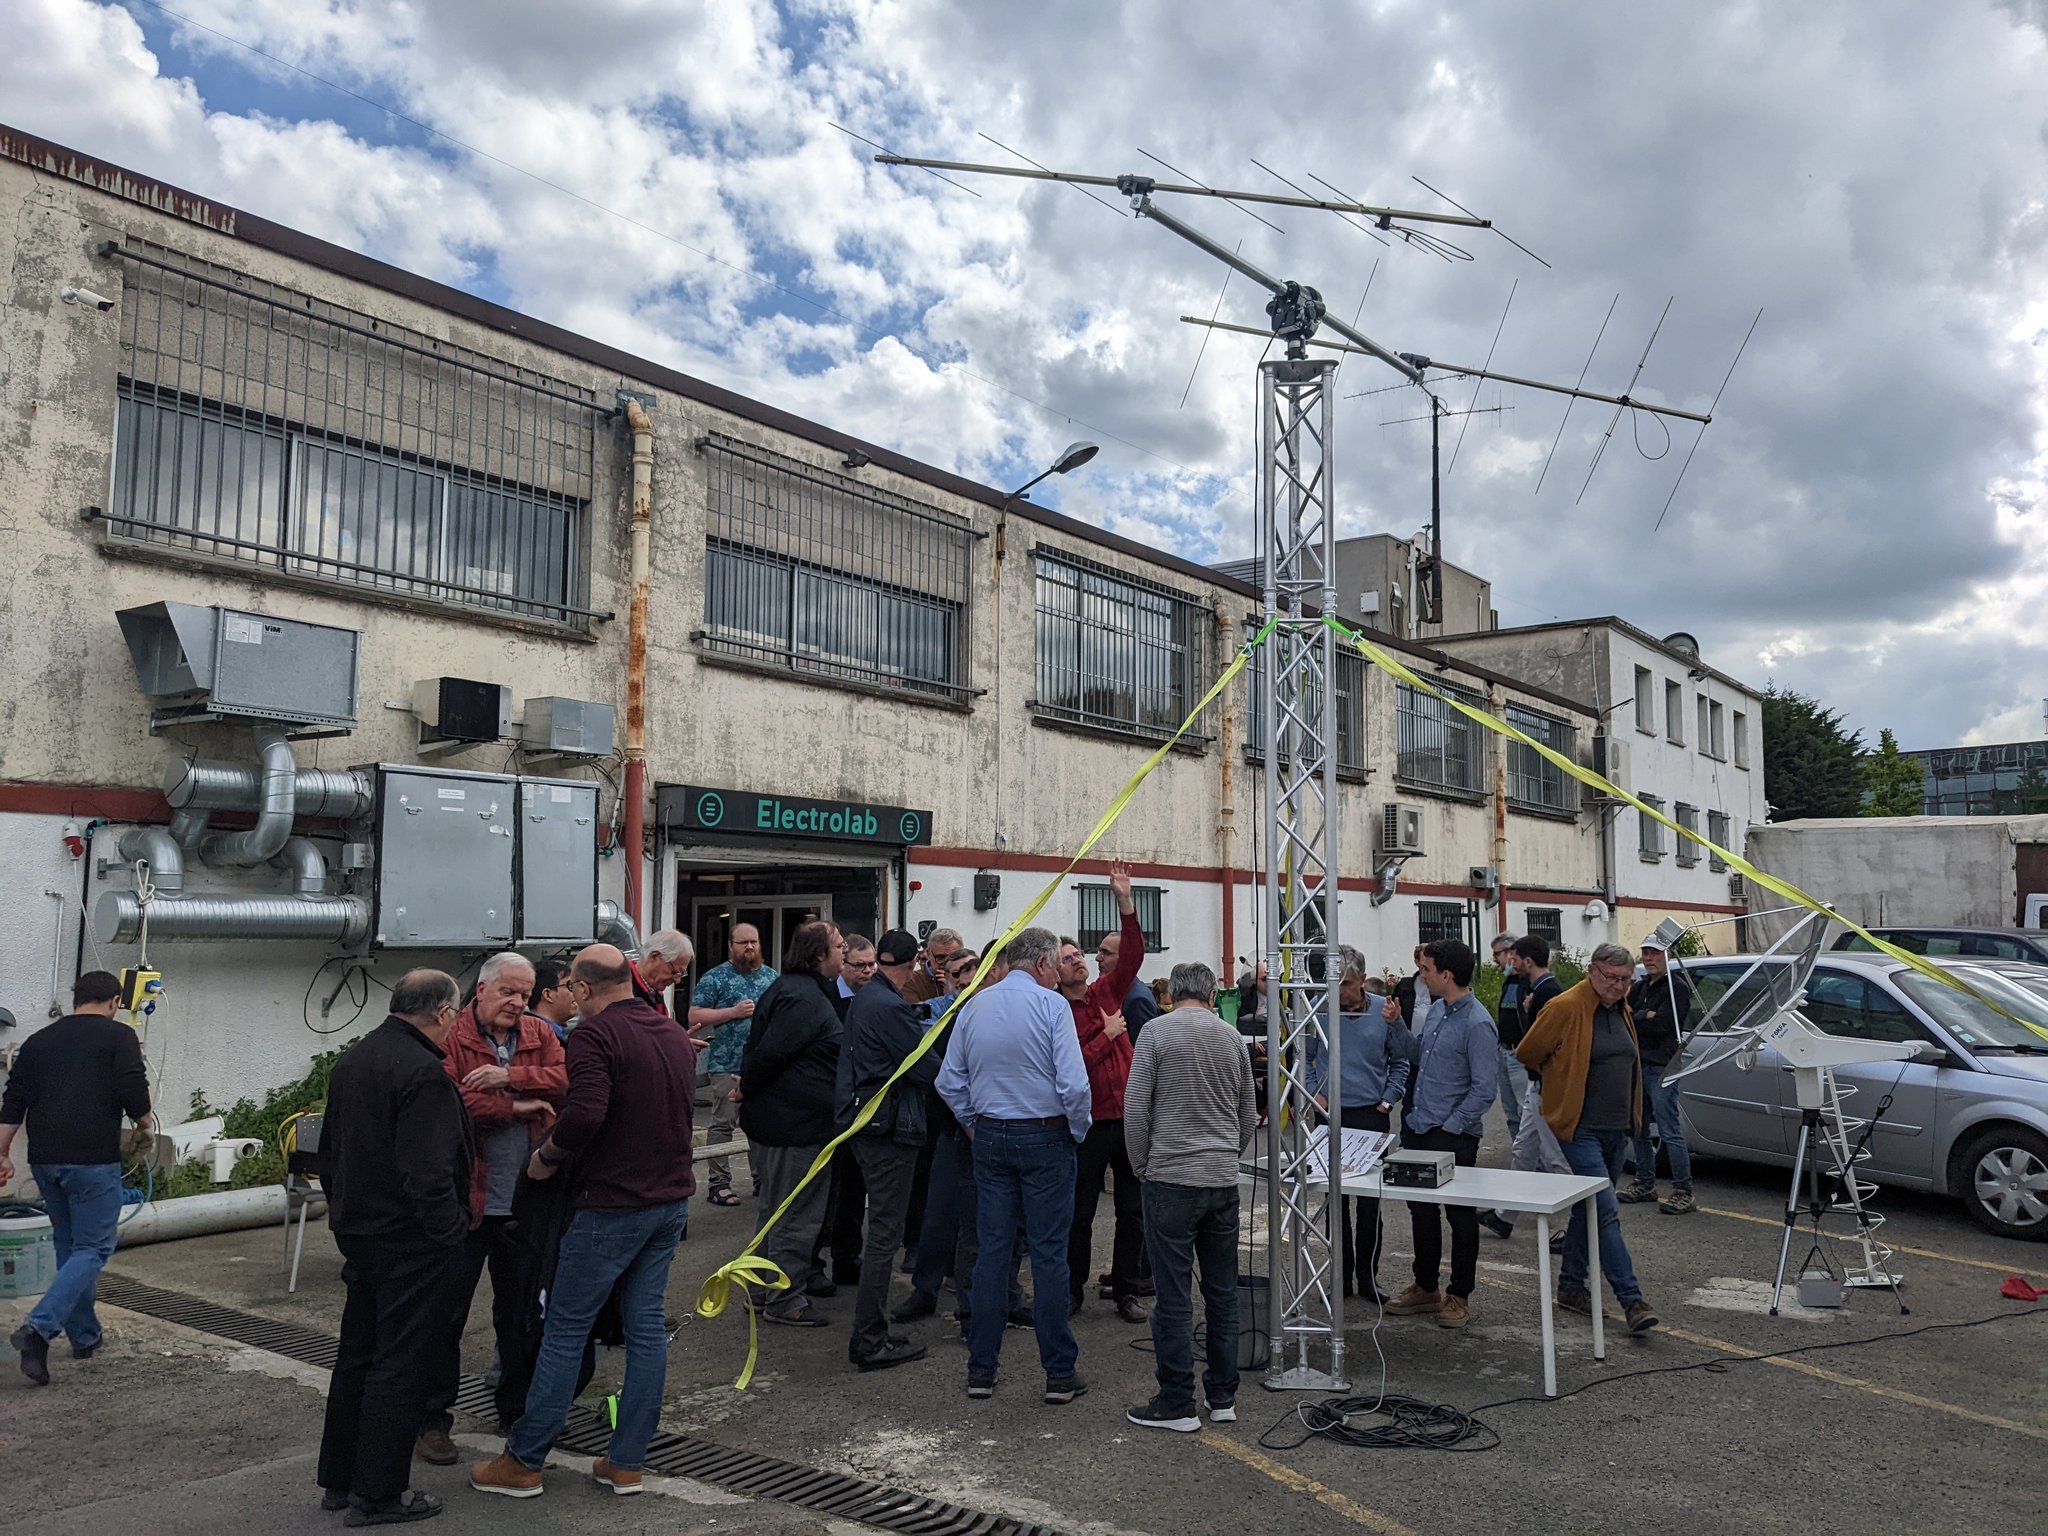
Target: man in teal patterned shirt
(724, 1005)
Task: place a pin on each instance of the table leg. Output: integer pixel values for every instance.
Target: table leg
(1549, 1326)
(1594, 1277)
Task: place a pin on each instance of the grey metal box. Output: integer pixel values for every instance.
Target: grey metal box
(218, 662)
(557, 861)
(446, 841)
(568, 725)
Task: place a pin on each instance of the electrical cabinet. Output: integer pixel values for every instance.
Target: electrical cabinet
(557, 861)
(445, 849)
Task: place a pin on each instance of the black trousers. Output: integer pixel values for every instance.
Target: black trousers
(1362, 1214)
(393, 1330)
(843, 1223)
(1464, 1219)
(499, 1244)
(887, 1167)
(1100, 1152)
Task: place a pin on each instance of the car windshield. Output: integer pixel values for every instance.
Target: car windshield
(1970, 1021)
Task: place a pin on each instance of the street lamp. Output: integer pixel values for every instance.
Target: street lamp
(1072, 457)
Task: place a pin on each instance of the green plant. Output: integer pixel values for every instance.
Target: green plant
(249, 1117)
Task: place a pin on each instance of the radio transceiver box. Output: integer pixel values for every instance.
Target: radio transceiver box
(1418, 1170)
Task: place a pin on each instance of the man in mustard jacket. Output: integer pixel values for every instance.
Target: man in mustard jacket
(1583, 1047)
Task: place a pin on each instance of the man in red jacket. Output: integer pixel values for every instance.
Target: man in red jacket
(1106, 1049)
(508, 1066)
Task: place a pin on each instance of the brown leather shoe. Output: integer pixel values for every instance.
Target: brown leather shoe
(436, 1449)
(1456, 1312)
(505, 1474)
(618, 1479)
(1415, 1301)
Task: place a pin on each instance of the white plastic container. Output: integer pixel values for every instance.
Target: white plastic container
(28, 1256)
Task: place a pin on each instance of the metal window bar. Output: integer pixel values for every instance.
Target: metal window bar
(1099, 918)
(1439, 920)
(259, 424)
(821, 573)
(1688, 817)
(1351, 674)
(1534, 782)
(1435, 746)
(1116, 651)
(1717, 834)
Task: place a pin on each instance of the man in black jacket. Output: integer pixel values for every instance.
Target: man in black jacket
(395, 1158)
(1660, 1003)
(882, 1029)
(72, 1081)
(789, 1069)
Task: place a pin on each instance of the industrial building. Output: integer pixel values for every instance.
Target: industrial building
(323, 663)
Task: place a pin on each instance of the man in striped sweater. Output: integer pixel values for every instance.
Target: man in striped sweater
(1189, 1112)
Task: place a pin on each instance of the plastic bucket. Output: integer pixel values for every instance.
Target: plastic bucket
(28, 1254)
(1254, 1344)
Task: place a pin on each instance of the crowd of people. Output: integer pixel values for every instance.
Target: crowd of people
(544, 1132)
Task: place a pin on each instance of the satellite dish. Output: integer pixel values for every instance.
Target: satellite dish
(1772, 986)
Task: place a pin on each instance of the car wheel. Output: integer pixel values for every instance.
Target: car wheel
(2003, 1179)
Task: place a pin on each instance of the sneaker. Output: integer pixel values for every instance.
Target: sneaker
(1575, 1301)
(506, 1474)
(1496, 1223)
(34, 1350)
(1155, 1415)
(896, 1352)
(1456, 1312)
(1415, 1301)
(85, 1353)
(1680, 1204)
(621, 1480)
(402, 1509)
(1061, 1390)
(1224, 1412)
(1557, 1242)
(436, 1449)
(1021, 1317)
(1641, 1316)
(1637, 1194)
(1131, 1310)
(914, 1306)
(981, 1386)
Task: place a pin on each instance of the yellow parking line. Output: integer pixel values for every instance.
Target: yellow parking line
(1287, 1477)
(1918, 1253)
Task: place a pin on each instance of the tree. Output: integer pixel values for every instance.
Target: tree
(1893, 784)
(1811, 764)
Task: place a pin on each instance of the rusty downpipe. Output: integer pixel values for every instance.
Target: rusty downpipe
(634, 833)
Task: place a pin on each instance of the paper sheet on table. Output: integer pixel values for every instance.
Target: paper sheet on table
(1358, 1152)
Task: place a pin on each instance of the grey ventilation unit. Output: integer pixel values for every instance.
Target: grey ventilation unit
(216, 663)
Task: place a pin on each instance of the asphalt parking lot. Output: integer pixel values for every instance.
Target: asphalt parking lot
(182, 1431)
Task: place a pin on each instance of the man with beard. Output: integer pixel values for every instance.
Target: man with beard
(724, 1004)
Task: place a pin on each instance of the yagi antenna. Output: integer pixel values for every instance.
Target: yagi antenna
(1612, 421)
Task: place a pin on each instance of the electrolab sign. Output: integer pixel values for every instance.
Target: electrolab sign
(693, 808)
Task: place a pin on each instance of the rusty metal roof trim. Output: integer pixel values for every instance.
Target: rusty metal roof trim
(55, 160)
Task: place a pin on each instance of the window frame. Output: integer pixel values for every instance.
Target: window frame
(1650, 833)
(1741, 732)
(1406, 698)
(1097, 894)
(1546, 923)
(1457, 914)
(1687, 851)
(1561, 736)
(1719, 835)
(1188, 649)
(1674, 712)
(1646, 701)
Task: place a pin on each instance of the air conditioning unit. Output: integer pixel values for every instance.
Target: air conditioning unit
(1610, 760)
(458, 709)
(1738, 888)
(1400, 829)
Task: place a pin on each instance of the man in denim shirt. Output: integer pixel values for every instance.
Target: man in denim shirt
(1456, 1081)
(1374, 1076)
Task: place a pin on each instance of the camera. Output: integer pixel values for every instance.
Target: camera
(71, 295)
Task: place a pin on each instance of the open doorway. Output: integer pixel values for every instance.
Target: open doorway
(711, 900)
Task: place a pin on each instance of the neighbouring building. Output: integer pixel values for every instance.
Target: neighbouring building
(2007, 779)
(1383, 584)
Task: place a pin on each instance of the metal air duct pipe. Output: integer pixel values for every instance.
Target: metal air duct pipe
(615, 926)
(307, 864)
(156, 847)
(277, 805)
(334, 794)
(117, 918)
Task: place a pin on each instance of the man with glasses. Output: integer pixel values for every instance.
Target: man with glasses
(1583, 1046)
(553, 998)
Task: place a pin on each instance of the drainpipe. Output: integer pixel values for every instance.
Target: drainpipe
(1496, 701)
(275, 809)
(634, 834)
(1226, 814)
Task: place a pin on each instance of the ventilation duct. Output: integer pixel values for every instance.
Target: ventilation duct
(157, 848)
(332, 794)
(117, 918)
(615, 926)
(276, 807)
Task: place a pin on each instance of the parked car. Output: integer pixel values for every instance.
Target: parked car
(2029, 944)
(1968, 1117)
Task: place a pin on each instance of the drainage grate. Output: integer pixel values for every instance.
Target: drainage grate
(761, 1477)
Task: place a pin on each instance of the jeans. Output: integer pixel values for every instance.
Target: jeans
(1027, 1171)
(1661, 1104)
(1598, 1153)
(515, 1300)
(951, 1243)
(394, 1327)
(1514, 1087)
(1102, 1152)
(791, 1242)
(725, 1117)
(1464, 1219)
(887, 1167)
(83, 1201)
(1185, 1228)
(634, 1250)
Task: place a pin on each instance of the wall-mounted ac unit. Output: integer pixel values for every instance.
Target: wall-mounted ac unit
(1610, 760)
(452, 709)
(1400, 829)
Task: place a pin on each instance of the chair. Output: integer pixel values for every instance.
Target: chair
(301, 1178)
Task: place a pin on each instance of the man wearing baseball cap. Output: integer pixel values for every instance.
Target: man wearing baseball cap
(1660, 1003)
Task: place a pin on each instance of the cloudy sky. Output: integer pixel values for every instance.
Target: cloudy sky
(1864, 520)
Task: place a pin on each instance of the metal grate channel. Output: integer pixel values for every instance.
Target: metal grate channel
(761, 1477)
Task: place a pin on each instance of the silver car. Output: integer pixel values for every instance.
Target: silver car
(1970, 1119)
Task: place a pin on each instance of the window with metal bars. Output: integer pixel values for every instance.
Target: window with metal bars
(1547, 924)
(1351, 686)
(1098, 917)
(1436, 748)
(260, 425)
(1116, 652)
(1534, 782)
(818, 572)
(1441, 920)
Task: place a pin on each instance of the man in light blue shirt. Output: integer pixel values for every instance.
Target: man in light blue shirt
(1015, 1081)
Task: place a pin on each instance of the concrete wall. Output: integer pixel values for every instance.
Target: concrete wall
(1378, 563)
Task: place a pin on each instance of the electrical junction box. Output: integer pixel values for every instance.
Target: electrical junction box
(988, 890)
(557, 861)
(218, 663)
(571, 727)
(461, 709)
(442, 875)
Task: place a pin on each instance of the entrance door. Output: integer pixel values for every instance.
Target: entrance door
(775, 918)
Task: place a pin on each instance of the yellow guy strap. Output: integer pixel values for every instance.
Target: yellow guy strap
(1387, 663)
(749, 1269)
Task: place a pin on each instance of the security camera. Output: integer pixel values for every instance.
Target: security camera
(72, 295)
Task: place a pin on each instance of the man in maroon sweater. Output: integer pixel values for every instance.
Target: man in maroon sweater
(1106, 1048)
(626, 1128)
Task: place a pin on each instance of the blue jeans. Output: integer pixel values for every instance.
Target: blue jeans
(632, 1249)
(84, 1205)
(1598, 1153)
(1185, 1227)
(1662, 1103)
(1514, 1087)
(1025, 1171)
